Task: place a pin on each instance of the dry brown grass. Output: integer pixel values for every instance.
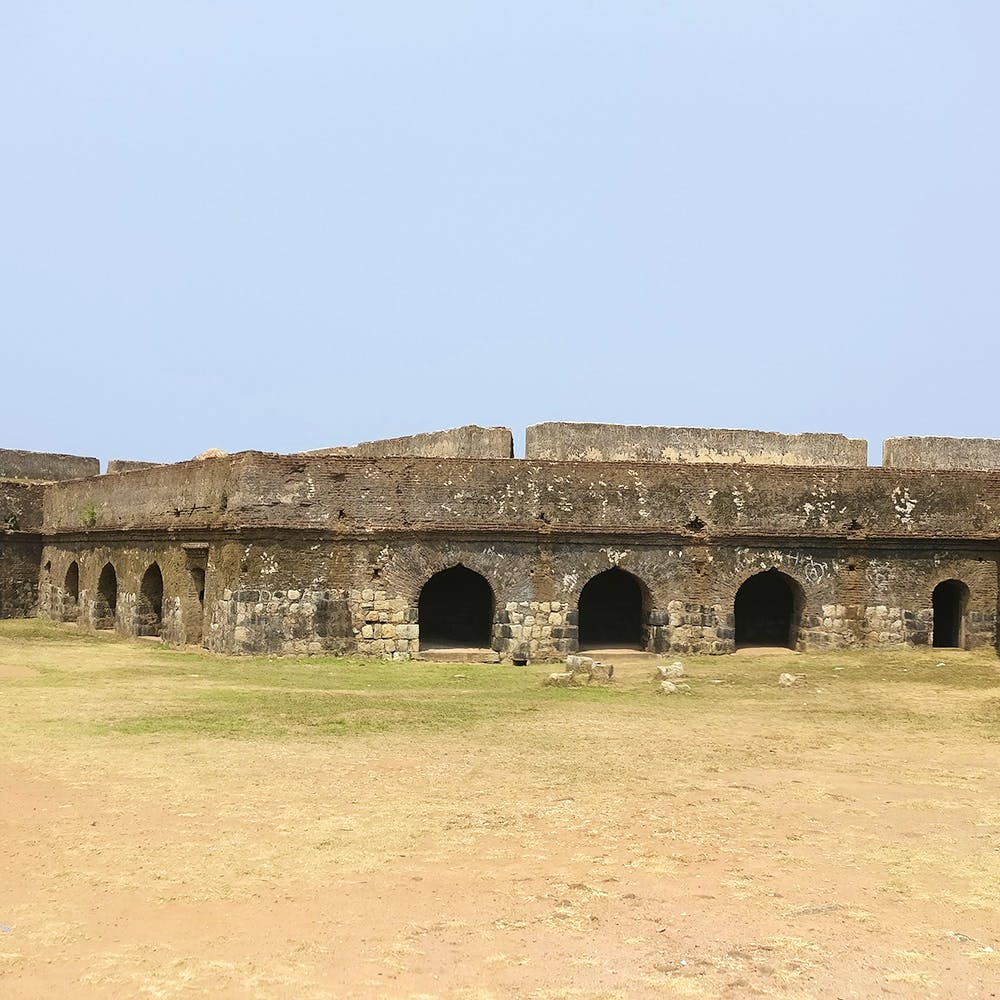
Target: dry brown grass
(178, 825)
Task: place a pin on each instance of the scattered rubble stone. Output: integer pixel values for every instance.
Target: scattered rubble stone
(791, 680)
(665, 672)
(562, 680)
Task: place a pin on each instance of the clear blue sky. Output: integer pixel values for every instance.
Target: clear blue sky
(289, 225)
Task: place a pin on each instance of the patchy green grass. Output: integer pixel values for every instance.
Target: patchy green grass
(145, 688)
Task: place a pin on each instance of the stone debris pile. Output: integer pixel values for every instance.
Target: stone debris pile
(580, 670)
(667, 676)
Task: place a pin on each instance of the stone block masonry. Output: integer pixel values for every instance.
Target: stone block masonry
(782, 539)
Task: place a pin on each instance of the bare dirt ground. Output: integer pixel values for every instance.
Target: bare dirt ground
(837, 839)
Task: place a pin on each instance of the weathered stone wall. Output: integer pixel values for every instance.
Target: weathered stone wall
(20, 506)
(184, 617)
(363, 597)
(19, 557)
(312, 554)
(174, 497)
(358, 497)
(941, 453)
(44, 467)
(354, 496)
(571, 442)
(20, 547)
(459, 442)
(116, 465)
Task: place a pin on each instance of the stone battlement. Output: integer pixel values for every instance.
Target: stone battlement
(594, 443)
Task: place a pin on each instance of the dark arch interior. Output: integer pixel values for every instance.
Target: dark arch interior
(196, 614)
(610, 609)
(766, 611)
(73, 581)
(198, 580)
(107, 598)
(71, 595)
(456, 609)
(149, 612)
(949, 600)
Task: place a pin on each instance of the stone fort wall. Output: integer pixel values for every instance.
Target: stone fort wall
(318, 553)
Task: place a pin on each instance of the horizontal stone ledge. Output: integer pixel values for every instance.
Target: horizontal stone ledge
(505, 533)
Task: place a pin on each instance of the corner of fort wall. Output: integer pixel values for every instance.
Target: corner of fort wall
(170, 497)
(45, 467)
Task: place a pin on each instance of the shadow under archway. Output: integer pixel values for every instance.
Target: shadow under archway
(455, 608)
(768, 610)
(71, 593)
(106, 604)
(611, 611)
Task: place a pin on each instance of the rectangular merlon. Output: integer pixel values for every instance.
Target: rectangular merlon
(571, 442)
(941, 453)
(470, 441)
(116, 465)
(44, 467)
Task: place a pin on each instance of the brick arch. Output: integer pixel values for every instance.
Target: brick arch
(408, 569)
(571, 579)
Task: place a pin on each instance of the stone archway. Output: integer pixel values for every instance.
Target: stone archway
(149, 607)
(71, 593)
(950, 601)
(106, 603)
(768, 610)
(456, 608)
(611, 611)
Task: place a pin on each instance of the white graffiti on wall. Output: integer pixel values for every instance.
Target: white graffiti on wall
(614, 556)
(811, 569)
(903, 504)
(877, 574)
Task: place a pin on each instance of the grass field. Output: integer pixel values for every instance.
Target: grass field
(181, 825)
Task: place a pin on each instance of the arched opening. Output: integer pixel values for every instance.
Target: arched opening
(71, 593)
(149, 607)
(610, 611)
(455, 608)
(950, 600)
(768, 609)
(107, 598)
